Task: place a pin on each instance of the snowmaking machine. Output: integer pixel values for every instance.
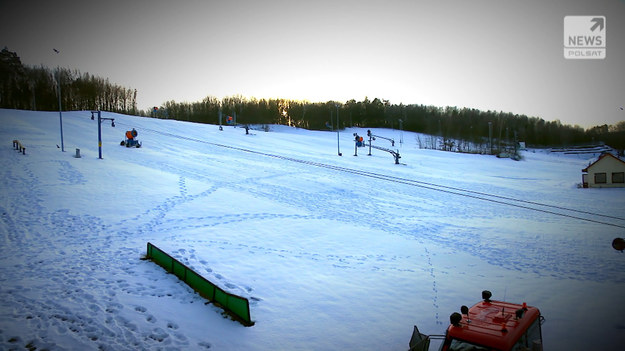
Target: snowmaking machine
(131, 139)
(488, 326)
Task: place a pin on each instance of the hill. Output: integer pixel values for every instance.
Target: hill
(334, 253)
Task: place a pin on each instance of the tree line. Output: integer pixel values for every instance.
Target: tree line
(449, 123)
(36, 88)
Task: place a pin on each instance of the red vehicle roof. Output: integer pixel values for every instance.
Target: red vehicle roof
(488, 321)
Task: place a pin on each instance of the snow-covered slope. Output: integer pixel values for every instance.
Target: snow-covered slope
(334, 253)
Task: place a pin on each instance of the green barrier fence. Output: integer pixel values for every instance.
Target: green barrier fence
(237, 306)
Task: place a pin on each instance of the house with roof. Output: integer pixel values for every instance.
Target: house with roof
(608, 171)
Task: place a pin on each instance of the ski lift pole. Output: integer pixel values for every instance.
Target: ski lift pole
(99, 136)
(58, 83)
(220, 127)
(338, 145)
(60, 113)
(100, 119)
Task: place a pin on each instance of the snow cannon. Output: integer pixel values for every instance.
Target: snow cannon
(131, 139)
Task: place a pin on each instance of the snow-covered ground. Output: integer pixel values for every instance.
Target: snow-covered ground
(330, 257)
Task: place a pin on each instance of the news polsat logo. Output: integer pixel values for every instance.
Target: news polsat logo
(584, 37)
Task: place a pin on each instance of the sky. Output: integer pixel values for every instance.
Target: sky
(485, 54)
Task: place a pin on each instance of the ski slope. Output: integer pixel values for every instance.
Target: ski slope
(334, 253)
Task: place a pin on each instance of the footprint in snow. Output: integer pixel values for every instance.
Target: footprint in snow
(204, 345)
(181, 337)
(114, 308)
(158, 334)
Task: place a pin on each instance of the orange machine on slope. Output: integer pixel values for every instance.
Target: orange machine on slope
(131, 139)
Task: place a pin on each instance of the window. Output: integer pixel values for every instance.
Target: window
(600, 178)
(618, 177)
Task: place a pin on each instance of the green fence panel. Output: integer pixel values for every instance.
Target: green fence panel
(237, 305)
(201, 285)
(221, 297)
(179, 270)
(162, 259)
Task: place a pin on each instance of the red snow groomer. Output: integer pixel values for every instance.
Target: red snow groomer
(131, 139)
(488, 326)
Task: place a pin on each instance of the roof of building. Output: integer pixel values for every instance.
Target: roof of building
(607, 154)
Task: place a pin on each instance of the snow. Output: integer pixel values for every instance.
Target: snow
(330, 257)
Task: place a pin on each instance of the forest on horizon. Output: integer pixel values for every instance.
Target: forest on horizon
(35, 88)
